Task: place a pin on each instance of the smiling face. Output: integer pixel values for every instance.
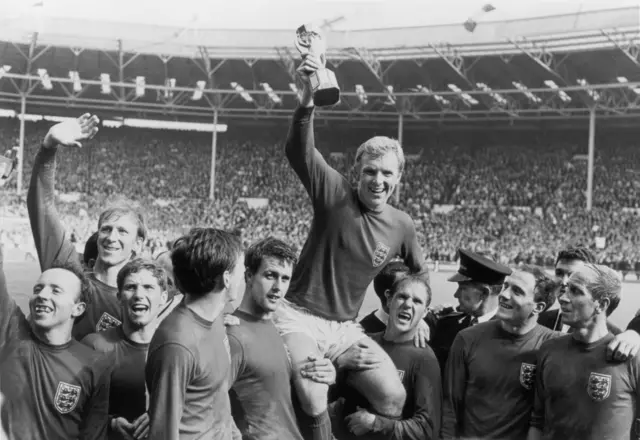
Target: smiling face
(269, 284)
(117, 239)
(408, 306)
(377, 179)
(517, 298)
(141, 298)
(56, 300)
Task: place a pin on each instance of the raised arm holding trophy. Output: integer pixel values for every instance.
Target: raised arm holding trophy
(323, 83)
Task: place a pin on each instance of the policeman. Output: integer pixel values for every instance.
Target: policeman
(479, 283)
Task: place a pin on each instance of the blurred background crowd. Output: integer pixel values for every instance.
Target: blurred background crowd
(518, 198)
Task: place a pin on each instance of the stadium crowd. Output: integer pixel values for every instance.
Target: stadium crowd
(500, 193)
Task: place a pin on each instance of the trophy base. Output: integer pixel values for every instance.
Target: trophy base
(325, 87)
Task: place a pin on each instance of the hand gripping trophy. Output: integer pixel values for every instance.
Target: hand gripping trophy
(323, 81)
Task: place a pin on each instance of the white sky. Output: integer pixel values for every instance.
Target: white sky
(288, 14)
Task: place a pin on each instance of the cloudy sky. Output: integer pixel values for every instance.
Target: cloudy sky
(287, 14)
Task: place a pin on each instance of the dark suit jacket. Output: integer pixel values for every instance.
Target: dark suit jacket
(372, 324)
(552, 319)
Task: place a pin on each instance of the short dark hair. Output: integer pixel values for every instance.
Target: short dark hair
(122, 209)
(413, 278)
(86, 286)
(268, 247)
(201, 257)
(576, 253)
(90, 250)
(545, 289)
(387, 277)
(140, 264)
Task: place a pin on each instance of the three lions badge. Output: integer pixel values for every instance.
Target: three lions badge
(67, 397)
(380, 254)
(527, 375)
(106, 322)
(599, 386)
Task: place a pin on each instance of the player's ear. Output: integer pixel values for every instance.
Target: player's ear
(388, 295)
(164, 297)
(226, 279)
(539, 307)
(78, 309)
(603, 305)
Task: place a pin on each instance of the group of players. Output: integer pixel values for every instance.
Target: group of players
(128, 348)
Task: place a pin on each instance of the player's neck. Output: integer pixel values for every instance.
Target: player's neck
(520, 328)
(249, 307)
(392, 334)
(208, 306)
(591, 333)
(139, 335)
(52, 336)
(107, 274)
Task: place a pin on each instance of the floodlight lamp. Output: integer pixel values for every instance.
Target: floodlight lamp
(74, 76)
(45, 79)
(4, 69)
(140, 85)
(198, 92)
(105, 86)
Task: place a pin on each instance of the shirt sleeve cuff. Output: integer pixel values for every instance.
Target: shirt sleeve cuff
(383, 425)
(303, 114)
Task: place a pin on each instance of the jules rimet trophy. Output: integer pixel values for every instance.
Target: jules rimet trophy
(323, 81)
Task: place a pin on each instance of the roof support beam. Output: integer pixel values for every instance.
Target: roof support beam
(375, 67)
(556, 68)
(629, 46)
(209, 70)
(457, 63)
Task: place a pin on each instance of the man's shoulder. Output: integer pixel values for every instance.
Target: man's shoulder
(555, 341)
(399, 216)
(479, 333)
(103, 341)
(452, 320)
(86, 354)
(177, 327)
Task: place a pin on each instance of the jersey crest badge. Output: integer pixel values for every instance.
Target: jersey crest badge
(599, 386)
(527, 375)
(401, 374)
(380, 254)
(106, 322)
(67, 397)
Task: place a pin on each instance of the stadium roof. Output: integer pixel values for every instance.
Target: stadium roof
(422, 71)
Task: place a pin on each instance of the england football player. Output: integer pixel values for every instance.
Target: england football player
(121, 230)
(261, 372)
(55, 387)
(491, 366)
(353, 234)
(188, 363)
(580, 394)
(142, 291)
(376, 321)
(568, 261)
(417, 368)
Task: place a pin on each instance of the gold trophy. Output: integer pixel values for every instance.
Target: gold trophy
(323, 81)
